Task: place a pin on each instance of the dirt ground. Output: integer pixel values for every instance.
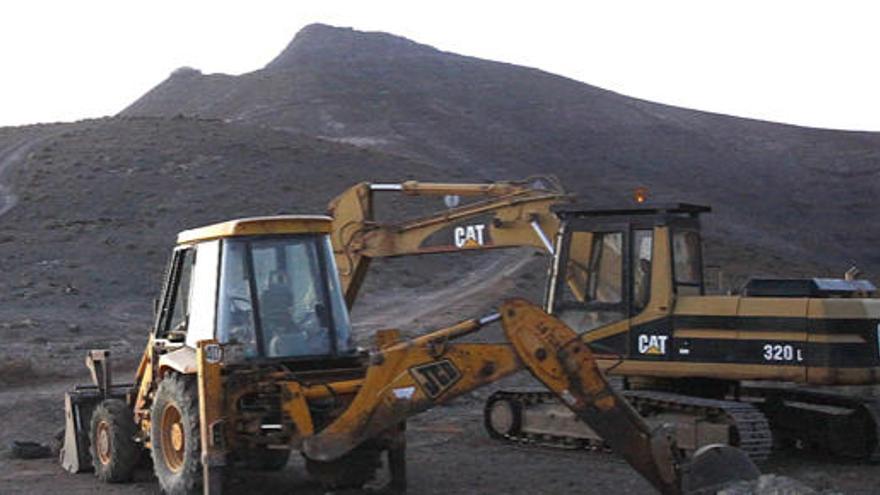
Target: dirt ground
(448, 449)
(448, 453)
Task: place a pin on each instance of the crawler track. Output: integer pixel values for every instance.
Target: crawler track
(841, 425)
(519, 401)
(751, 430)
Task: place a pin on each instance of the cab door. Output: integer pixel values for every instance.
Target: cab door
(188, 308)
(173, 314)
(590, 288)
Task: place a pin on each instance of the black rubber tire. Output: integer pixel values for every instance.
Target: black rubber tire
(121, 453)
(29, 450)
(266, 459)
(178, 392)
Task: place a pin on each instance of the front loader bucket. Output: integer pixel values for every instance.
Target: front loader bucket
(78, 407)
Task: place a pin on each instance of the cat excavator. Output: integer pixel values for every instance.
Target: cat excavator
(251, 357)
(629, 280)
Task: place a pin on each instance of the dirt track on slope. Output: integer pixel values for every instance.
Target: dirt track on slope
(12, 154)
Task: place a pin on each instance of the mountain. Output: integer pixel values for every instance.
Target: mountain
(791, 194)
(89, 210)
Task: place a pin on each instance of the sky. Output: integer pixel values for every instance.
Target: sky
(800, 62)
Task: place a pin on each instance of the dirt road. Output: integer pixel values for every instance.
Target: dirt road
(12, 154)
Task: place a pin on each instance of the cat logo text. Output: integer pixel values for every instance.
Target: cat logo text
(469, 236)
(653, 345)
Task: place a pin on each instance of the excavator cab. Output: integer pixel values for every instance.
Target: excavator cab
(619, 267)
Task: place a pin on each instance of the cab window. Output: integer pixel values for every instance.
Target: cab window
(686, 260)
(643, 246)
(280, 298)
(290, 298)
(175, 308)
(592, 294)
(606, 268)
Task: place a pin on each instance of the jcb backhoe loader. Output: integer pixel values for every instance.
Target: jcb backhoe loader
(251, 357)
(630, 281)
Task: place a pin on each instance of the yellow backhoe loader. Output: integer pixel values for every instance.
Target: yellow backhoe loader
(251, 358)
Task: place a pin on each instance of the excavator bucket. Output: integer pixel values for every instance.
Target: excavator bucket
(558, 358)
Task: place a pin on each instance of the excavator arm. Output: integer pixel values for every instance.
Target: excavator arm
(506, 214)
(408, 377)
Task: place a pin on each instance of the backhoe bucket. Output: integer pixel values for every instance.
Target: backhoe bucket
(556, 356)
(714, 466)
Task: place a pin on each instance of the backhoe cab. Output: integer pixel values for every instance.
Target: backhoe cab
(251, 358)
(266, 288)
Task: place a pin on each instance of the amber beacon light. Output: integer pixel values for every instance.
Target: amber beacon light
(640, 194)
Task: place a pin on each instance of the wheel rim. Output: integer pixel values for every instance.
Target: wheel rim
(102, 442)
(173, 438)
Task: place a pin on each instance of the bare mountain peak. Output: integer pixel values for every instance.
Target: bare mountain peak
(317, 41)
(186, 71)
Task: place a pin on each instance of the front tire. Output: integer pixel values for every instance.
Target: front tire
(113, 448)
(175, 436)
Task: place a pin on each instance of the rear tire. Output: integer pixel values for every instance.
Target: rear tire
(113, 448)
(175, 436)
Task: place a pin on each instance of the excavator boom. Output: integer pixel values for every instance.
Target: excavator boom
(508, 214)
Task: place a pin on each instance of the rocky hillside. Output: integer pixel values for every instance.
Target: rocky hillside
(791, 195)
(96, 206)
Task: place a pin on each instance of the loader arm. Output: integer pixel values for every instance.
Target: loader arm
(508, 214)
(408, 377)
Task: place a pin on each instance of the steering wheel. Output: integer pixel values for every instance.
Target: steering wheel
(306, 320)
